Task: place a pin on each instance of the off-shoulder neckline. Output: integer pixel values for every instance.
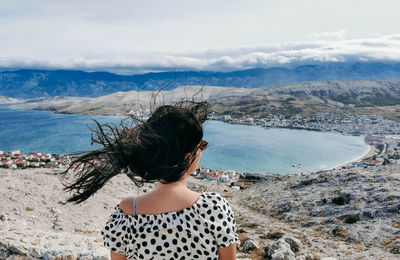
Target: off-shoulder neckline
(199, 199)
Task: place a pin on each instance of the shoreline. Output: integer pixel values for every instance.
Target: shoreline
(346, 163)
(368, 154)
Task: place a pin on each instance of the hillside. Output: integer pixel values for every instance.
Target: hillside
(304, 207)
(380, 97)
(43, 83)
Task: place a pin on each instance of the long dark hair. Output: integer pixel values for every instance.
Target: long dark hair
(147, 151)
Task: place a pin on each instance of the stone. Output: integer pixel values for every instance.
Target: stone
(283, 255)
(40, 235)
(2, 217)
(48, 245)
(249, 245)
(19, 257)
(66, 242)
(85, 255)
(55, 210)
(67, 255)
(328, 258)
(35, 252)
(99, 240)
(20, 250)
(48, 256)
(309, 257)
(35, 242)
(101, 253)
(280, 248)
(4, 253)
(294, 243)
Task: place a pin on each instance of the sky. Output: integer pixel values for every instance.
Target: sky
(133, 36)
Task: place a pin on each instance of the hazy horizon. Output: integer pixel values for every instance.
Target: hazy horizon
(133, 36)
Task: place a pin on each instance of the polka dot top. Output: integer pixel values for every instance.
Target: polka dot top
(195, 232)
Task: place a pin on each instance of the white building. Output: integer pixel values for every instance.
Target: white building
(224, 178)
(15, 152)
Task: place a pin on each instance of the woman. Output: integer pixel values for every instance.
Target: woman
(171, 221)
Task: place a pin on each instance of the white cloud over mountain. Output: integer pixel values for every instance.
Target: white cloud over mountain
(324, 47)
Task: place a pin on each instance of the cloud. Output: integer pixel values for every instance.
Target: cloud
(338, 35)
(323, 49)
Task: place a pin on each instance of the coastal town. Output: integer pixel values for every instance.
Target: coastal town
(17, 160)
(383, 151)
(378, 132)
(347, 124)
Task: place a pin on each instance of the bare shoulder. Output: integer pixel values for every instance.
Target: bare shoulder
(126, 205)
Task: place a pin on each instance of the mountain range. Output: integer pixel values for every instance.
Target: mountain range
(379, 97)
(50, 83)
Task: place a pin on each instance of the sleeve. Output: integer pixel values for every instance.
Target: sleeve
(225, 231)
(115, 232)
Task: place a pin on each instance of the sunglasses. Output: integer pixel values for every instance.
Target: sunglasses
(203, 145)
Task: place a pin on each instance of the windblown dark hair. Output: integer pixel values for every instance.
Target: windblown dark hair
(147, 151)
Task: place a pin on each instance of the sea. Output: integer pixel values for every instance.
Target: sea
(242, 148)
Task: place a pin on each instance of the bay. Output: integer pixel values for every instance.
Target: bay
(232, 147)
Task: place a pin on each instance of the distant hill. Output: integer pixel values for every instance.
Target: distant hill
(44, 83)
(380, 97)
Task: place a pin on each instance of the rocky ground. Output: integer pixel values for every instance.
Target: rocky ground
(336, 214)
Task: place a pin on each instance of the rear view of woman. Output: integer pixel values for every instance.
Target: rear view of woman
(171, 221)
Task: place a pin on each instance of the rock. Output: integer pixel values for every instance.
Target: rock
(55, 210)
(99, 240)
(294, 243)
(338, 231)
(66, 241)
(20, 250)
(20, 224)
(3, 251)
(249, 245)
(67, 255)
(35, 242)
(282, 247)
(85, 255)
(304, 257)
(101, 253)
(283, 255)
(35, 252)
(2, 217)
(40, 235)
(19, 257)
(48, 245)
(49, 256)
(328, 258)
(309, 257)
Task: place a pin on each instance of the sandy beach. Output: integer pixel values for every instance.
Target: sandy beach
(369, 154)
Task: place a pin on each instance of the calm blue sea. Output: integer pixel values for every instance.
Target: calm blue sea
(237, 147)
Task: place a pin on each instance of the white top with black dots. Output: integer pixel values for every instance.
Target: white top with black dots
(195, 232)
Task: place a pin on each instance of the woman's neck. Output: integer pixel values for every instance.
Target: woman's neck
(173, 186)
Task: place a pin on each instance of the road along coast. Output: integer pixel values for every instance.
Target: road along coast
(344, 214)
